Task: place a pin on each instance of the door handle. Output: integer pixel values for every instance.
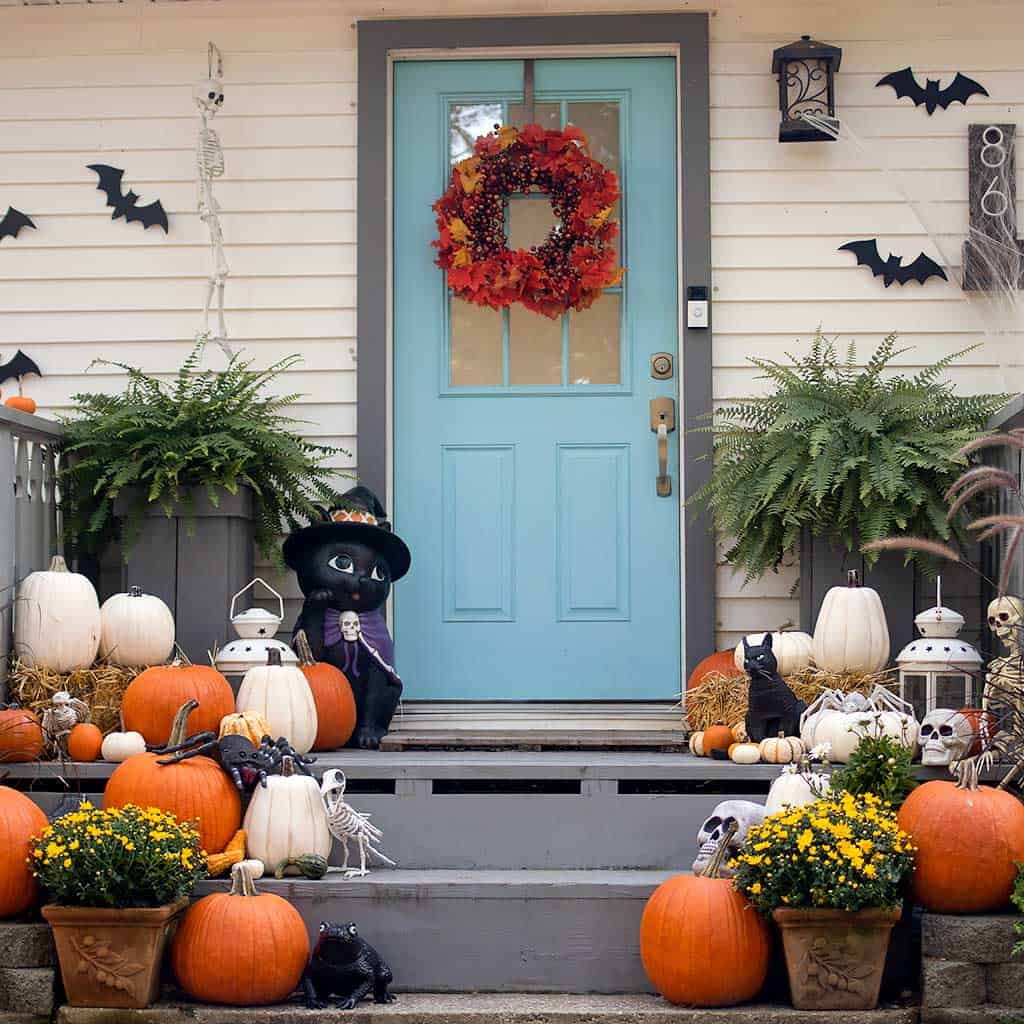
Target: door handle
(663, 422)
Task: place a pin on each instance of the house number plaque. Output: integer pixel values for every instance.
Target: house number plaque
(992, 252)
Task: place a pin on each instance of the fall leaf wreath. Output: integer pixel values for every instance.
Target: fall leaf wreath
(576, 261)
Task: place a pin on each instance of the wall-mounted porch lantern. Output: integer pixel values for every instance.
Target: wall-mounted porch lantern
(806, 71)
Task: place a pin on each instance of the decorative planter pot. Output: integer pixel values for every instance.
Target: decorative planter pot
(835, 957)
(109, 957)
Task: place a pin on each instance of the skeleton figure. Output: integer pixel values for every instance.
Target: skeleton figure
(745, 813)
(1004, 681)
(63, 714)
(946, 736)
(209, 96)
(346, 824)
(350, 629)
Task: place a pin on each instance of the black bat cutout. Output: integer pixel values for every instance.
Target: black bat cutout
(14, 220)
(18, 367)
(960, 90)
(126, 204)
(893, 269)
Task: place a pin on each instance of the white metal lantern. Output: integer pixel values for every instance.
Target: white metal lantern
(938, 670)
(256, 629)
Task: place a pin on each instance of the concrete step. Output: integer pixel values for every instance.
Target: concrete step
(489, 931)
(486, 1009)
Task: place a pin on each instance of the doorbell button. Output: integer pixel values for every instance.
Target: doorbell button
(696, 306)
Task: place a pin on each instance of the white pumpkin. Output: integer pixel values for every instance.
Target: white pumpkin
(851, 634)
(119, 746)
(136, 630)
(254, 867)
(287, 819)
(781, 749)
(792, 651)
(842, 719)
(282, 696)
(744, 753)
(56, 619)
(795, 789)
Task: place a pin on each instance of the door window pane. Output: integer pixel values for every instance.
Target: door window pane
(529, 222)
(466, 123)
(599, 121)
(477, 341)
(535, 347)
(547, 115)
(594, 342)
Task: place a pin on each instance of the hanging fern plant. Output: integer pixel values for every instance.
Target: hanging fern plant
(851, 454)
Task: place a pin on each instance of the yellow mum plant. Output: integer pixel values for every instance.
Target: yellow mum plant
(846, 853)
(124, 857)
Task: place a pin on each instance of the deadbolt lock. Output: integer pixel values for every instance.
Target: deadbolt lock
(662, 365)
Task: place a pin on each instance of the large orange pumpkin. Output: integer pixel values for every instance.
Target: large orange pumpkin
(85, 741)
(969, 839)
(266, 954)
(194, 790)
(701, 943)
(20, 820)
(154, 696)
(332, 694)
(721, 662)
(21, 736)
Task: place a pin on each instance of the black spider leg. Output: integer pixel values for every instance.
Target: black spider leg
(182, 755)
(189, 741)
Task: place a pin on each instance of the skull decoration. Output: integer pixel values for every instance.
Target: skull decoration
(208, 95)
(946, 736)
(1005, 619)
(349, 626)
(744, 812)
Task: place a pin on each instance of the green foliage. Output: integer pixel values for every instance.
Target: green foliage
(852, 454)
(206, 428)
(879, 765)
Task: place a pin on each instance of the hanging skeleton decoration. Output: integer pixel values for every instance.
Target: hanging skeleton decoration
(946, 737)
(744, 814)
(63, 714)
(209, 97)
(346, 824)
(1004, 680)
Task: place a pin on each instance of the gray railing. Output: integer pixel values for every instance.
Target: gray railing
(29, 524)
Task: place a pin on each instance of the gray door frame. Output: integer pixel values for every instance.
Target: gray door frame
(688, 32)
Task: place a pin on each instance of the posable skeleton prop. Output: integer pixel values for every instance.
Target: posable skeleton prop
(345, 824)
(209, 96)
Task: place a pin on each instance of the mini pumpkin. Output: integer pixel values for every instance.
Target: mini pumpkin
(782, 749)
(250, 724)
(119, 746)
(85, 742)
(718, 737)
(744, 753)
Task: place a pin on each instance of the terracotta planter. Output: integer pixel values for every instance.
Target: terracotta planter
(112, 957)
(835, 957)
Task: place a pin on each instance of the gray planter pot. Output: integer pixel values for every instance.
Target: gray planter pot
(195, 565)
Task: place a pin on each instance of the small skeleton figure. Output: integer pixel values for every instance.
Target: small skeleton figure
(63, 714)
(209, 96)
(350, 629)
(1004, 681)
(346, 824)
(946, 736)
(743, 814)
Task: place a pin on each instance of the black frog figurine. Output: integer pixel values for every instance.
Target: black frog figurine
(346, 966)
(772, 707)
(346, 564)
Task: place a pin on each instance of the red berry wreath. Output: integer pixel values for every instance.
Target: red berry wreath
(569, 269)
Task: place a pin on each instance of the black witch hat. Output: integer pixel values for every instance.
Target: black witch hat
(360, 517)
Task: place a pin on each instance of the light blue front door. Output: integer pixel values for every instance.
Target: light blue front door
(545, 563)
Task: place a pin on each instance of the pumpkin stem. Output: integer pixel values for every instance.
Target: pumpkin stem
(287, 767)
(274, 656)
(301, 644)
(713, 869)
(179, 727)
(57, 564)
(241, 880)
(134, 591)
(853, 578)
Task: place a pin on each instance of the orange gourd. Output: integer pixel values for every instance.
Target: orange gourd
(20, 820)
(718, 737)
(701, 943)
(21, 736)
(21, 402)
(268, 950)
(154, 696)
(969, 839)
(85, 741)
(194, 790)
(332, 694)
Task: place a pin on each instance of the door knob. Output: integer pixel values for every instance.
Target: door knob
(663, 422)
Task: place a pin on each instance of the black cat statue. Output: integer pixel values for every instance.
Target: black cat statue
(772, 707)
(346, 564)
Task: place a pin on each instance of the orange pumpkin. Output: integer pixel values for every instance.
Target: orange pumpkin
(718, 737)
(721, 663)
(21, 736)
(85, 741)
(21, 402)
(269, 946)
(332, 694)
(154, 696)
(194, 790)
(701, 943)
(969, 839)
(20, 820)
(984, 725)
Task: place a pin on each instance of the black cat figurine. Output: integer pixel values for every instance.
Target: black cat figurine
(772, 707)
(346, 564)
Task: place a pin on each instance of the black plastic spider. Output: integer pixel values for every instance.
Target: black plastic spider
(246, 764)
(275, 751)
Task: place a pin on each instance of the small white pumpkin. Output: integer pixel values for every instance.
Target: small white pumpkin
(287, 819)
(136, 630)
(119, 746)
(792, 650)
(795, 789)
(781, 749)
(842, 720)
(281, 694)
(744, 753)
(696, 743)
(56, 619)
(851, 634)
(253, 866)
